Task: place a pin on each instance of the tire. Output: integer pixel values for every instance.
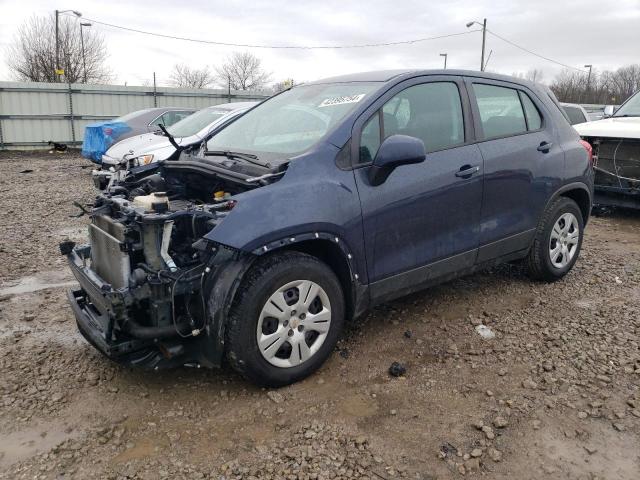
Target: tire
(250, 321)
(541, 265)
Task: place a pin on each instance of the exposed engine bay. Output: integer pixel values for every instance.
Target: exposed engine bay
(617, 166)
(147, 272)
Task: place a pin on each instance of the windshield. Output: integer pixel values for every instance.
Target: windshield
(631, 108)
(293, 121)
(194, 123)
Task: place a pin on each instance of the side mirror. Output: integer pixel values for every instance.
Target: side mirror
(396, 150)
(609, 110)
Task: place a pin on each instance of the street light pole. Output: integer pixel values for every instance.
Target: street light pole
(57, 67)
(484, 40)
(445, 59)
(84, 60)
(58, 12)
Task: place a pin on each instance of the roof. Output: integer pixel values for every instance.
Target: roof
(388, 75)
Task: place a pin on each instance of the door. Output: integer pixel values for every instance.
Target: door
(423, 221)
(521, 161)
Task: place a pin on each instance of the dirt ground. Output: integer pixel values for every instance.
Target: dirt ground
(555, 395)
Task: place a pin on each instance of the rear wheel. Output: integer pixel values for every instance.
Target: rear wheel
(557, 242)
(285, 320)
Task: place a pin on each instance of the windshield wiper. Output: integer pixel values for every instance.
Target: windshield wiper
(170, 138)
(249, 157)
(628, 115)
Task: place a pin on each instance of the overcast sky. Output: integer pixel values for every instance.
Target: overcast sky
(575, 32)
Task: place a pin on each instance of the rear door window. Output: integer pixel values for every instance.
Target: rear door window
(501, 112)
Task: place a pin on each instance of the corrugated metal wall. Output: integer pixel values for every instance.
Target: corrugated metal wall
(31, 114)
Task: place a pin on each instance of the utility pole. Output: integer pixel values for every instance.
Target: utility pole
(445, 59)
(84, 59)
(155, 98)
(484, 39)
(588, 79)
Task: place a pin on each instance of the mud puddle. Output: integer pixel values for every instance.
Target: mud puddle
(37, 282)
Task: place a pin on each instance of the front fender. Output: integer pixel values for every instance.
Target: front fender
(314, 197)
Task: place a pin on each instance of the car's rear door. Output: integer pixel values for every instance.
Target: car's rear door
(522, 163)
(422, 222)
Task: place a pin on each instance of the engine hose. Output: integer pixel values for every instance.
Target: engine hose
(148, 333)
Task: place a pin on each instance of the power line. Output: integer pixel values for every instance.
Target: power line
(290, 47)
(534, 53)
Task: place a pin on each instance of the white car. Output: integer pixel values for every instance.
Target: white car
(147, 148)
(616, 148)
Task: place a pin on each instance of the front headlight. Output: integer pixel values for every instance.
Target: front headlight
(143, 160)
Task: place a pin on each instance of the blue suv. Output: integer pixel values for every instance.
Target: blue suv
(320, 202)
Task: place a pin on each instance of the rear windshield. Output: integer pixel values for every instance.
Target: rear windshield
(132, 115)
(575, 115)
(293, 121)
(196, 122)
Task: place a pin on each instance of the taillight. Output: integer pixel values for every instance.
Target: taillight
(108, 131)
(587, 146)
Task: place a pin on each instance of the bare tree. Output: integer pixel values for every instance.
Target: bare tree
(533, 75)
(602, 88)
(184, 76)
(32, 54)
(242, 71)
(282, 85)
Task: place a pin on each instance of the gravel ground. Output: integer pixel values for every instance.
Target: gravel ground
(556, 393)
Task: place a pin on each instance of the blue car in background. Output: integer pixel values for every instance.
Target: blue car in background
(320, 203)
(99, 136)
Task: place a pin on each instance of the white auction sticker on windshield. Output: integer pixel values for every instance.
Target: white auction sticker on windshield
(329, 102)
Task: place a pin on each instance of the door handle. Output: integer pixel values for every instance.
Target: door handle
(544, 147)
(467, 170)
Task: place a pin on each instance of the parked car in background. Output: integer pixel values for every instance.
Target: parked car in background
(164, 144)
(99, 136)
(321, 202)
(616, 147)
(576, 113)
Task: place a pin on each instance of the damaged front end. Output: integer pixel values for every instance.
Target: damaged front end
(617, 171)
(153, 292)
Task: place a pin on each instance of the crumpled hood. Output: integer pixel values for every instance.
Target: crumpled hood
(616, 127)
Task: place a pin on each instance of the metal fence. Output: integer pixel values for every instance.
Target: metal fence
(32, 114)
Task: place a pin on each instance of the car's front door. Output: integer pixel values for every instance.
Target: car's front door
(521, 164)
(422, 222)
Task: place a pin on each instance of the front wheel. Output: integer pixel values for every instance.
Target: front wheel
(285, 319)
(557, 241)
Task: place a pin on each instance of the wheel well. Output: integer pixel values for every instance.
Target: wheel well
(581, 197)
(332, 255)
